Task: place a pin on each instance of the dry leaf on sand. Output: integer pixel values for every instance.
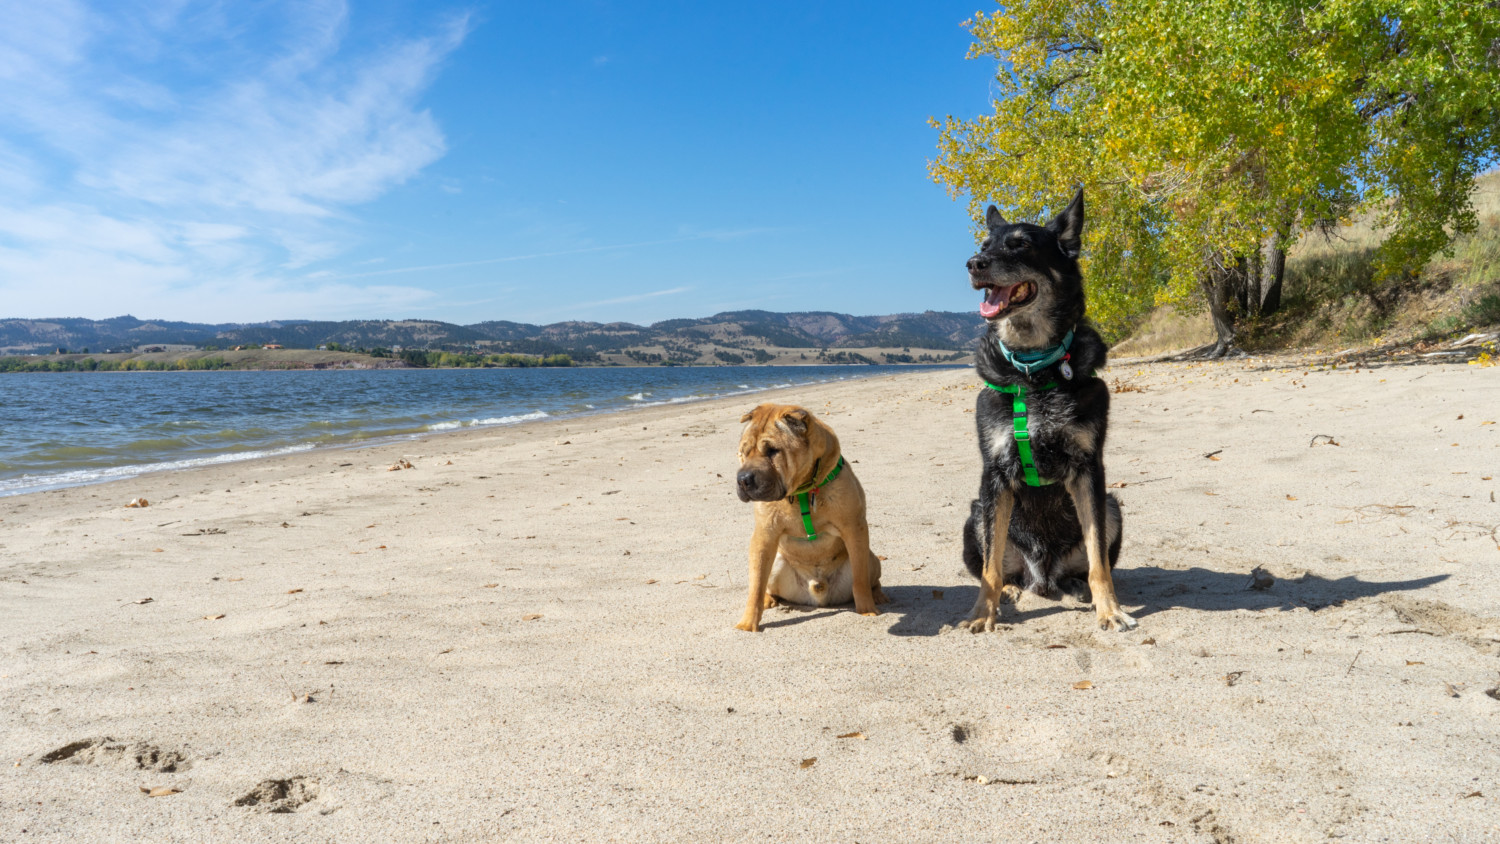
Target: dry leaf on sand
(159, 791)
(1083, 684)
(213, 617)
(531, 616)
(858, 735)
(808, 763)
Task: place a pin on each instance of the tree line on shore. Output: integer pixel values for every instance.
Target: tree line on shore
(412, 357)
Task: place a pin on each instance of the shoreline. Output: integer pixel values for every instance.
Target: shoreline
(131, 471)
(529, 635)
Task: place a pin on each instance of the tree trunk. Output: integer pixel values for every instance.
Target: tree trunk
(1220, 288)
(1247, 290)
(1272, 271)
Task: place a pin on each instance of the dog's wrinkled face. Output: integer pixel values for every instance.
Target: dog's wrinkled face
(775, 449)
(1029, 275)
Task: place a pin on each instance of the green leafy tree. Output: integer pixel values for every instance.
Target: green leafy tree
(1210, 134)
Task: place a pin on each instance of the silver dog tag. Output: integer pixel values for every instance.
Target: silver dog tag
(1067, 371)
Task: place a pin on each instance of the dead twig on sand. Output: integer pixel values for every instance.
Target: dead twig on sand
(1380, 512)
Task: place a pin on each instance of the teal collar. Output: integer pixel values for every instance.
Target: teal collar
(1032, 362)
(807, 492)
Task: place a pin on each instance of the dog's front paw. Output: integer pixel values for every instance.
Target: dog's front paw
(978, 624)
(1010, 593)
(1117, 621)
(749, 624)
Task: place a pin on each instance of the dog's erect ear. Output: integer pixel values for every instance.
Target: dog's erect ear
(993, 219)
(796, 421)
(1068, 226)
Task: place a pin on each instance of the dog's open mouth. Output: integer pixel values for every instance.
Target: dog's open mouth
(999, 299)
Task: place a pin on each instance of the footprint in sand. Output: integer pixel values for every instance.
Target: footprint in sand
(107, 751)
(280, 796)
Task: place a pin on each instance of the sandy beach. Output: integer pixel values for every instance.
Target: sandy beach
(529, 635)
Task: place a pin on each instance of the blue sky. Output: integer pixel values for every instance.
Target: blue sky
(536, 162)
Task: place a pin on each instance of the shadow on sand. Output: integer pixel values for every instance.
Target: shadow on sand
(1145, 591)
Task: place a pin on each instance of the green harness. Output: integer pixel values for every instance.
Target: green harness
(1022, 432)
(807, 492)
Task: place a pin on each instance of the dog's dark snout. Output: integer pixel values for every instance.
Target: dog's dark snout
(977, 263)
(745, 479)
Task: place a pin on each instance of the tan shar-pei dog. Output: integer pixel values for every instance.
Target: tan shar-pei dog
(811, 544)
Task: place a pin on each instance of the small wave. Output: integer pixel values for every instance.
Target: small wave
(493, 420)
(511, 420)
(79, 477)
(638, 397)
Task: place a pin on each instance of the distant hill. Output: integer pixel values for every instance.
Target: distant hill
(676, 340)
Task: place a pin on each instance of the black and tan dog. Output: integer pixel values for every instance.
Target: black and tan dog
(809, 516)
(1043, 521)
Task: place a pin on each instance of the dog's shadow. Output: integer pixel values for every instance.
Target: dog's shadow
(1144, 591)
(928, 610)
(790, 615)
(1204, 589)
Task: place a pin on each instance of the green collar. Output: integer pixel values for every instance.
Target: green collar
(1021, 431)
(809, 490)
(1031, 362)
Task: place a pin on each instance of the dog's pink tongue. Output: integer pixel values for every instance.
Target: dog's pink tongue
(995, 301)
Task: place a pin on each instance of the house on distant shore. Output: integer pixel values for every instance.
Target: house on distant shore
(272, 346)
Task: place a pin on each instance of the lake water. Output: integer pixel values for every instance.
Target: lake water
(66, 429)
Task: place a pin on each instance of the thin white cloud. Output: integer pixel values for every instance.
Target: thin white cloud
(579, 309)
(637, 297)
(155, 154)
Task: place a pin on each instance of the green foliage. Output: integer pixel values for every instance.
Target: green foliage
(19, 364)
(1201, 130)
(729, 357)
(468, 360)
(1483, 311)
(848, 357)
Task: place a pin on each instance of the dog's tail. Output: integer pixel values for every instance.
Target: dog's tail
(818, 589)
